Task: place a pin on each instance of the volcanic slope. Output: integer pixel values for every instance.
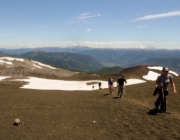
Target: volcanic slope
(18, 67)
(86, 115)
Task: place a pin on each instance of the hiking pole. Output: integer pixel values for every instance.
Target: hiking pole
(162, 93)
(163, 105)
(162, 90)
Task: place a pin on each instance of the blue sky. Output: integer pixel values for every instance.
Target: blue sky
(93, 23)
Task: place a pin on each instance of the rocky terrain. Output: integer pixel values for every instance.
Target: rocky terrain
(83, 115)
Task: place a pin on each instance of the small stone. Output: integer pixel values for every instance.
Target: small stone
(17, 122)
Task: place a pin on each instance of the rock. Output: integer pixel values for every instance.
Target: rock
(17, 122)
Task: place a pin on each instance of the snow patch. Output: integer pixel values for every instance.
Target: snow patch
(151, 76)
(3, 77)
(49, 84)
(12, 59)
(37, 66)
(160, 68)
(5, 62)
(41, 64)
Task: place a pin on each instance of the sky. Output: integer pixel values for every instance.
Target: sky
(92, 23)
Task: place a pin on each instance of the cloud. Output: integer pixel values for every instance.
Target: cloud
(172, 43)
(89, 30)
(87, 15)
(85, 18)
(93, 44)
(128, 44)
(156, 16)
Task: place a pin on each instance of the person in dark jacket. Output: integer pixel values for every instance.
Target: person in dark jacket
(99, 84)
(120, 84)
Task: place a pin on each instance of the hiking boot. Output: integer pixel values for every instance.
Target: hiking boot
(156, 108)
(162, 111)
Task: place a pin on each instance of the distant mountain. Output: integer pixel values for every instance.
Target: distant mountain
(126, 57)
(71, 61)
(3, 53)
(123, 57)
(73, 49)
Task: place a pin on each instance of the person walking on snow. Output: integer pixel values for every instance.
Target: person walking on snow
(110, 85)
(99, 84)
(162, 83)
(120, 84)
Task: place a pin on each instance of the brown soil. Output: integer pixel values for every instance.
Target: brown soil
(140, 70)
(87, 115)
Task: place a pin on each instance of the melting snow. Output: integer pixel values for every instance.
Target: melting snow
(48, 84)
(37, 66)
(160, 68)
(5, 62)
(12, 59)
(151, 76)
(3, 77)
(8, 60)
(41, 64)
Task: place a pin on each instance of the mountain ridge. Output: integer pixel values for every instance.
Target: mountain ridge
(66, 60)
(123, 57)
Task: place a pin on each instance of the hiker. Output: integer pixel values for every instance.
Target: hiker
(162, 89)
(120, 84)
(110, 85)
(99, 85)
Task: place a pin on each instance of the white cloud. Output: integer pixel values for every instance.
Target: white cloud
(162, 15)
(89, 30)
(87, 15)
(128, 44)
(83, 18)
(93, 44)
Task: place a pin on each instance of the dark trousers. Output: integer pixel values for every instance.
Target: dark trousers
(160, 100)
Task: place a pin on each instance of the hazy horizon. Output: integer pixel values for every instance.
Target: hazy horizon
(88, 47)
